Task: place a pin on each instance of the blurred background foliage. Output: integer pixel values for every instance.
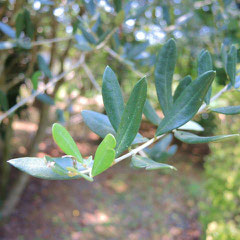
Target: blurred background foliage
(125, 35)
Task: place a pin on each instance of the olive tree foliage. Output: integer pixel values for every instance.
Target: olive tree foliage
(132, 38)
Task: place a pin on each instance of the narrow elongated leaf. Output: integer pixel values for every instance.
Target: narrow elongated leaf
(135, 50)
(204, 65)
(35, 78)
(7, 30)
(191, 138)
(45, 99)
(72, 172)
(3, 101)
(20, 24)
(192, 126)
(231, 64)
(163, 73)
(87, 35)
(100, 124)
(223, 55)
(40, 168)
(131, 118)
(187, 105)
(43, 66)
(151, 114)
(112, 97)
(117, 5)
(181, 86)
(105, 155)
(230, 110)
(64, 140)
(148, 164)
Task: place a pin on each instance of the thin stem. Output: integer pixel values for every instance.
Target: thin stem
(138, 149)
(48, 85)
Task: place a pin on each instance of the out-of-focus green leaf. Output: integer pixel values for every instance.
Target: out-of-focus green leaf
(40, 168)
(112, 97)
(20, 24)
(163, 73)
(7, 30)
(90, 6)
(105, 155)
(148, 164)
(119, 18)
(117, 5)
(138, 12)
(204, 65)
(131, 118)
(60, 115)
(230, 110)
(187, 105)
(150, 113)
(43, 66)
(35, 78)
(191, 138)
(100, 124)
(3, 101)
(82, 43)
(45, 99)
(231, 64)
(64, 140)
(87, 35)
(181, 86)
(135, 50)
(28, 24)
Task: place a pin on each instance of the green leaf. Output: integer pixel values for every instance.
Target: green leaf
(231, 64)
(28, 24)
(90, 6)
(119, 18)
(7, 30)
(64, 140)
(181, 86)
(191, 138)
(135, 50)
(105, 155)
(204, 65)
(112, 97)
(100, 124)
(117, 5)
(230, 110)
(82, 43)
(187, 105)
(43, 66)
(35, 78)
(164, 70)
(131, 118)
(40, 168)
(45, 99)
(148, 164)
(151, 114)
(20, 24)
(192, 126)
(223, 55)
(3, 101)
(87, 35)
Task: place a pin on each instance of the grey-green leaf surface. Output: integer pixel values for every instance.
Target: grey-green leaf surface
(150, 113)
(87, 35)
(230, 110)
(112, 97)
(192, 126)
(43, 66)
(181, 86)
(35, 78)
(204, 65)
(64, 140)
(231, 64)
(148, 164)
(100, 124)
(40, 168)
(3, 101)
(7, 30)
(187, 105)
(163, 73)
(132, 116)
(191, 138)
(105, 155)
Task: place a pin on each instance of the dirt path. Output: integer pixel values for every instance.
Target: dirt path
(120, 204)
